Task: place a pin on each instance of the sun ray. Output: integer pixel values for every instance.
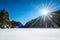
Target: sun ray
(49, 4)
(44, 9)
(53, 23)
(34, 22)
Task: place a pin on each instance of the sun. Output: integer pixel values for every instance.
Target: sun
(47, 8)
(44, 11)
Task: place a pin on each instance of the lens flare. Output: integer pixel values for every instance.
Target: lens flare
(45, 10)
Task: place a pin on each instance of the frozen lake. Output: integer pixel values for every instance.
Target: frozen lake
(30, 34)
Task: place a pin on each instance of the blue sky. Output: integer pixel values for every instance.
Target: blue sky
(26, 10)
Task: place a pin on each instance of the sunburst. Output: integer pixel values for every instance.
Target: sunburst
(46, 9)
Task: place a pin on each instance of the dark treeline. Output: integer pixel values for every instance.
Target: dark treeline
(5, 21)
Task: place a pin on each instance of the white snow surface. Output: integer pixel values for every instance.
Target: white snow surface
(30, 34)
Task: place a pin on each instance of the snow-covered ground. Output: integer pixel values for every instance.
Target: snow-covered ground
(29, 34)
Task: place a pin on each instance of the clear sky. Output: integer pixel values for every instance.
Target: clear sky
(26, 10)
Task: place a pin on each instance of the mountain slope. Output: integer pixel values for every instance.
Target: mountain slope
(50, 21)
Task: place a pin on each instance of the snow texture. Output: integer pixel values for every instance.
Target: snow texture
(30, 34)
